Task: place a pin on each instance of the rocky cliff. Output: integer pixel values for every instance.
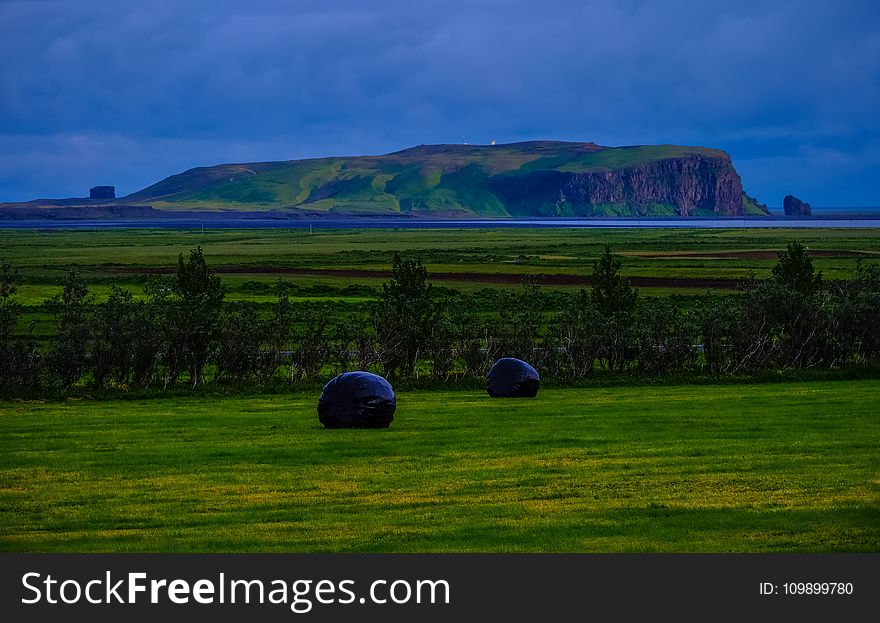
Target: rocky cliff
(689, 185)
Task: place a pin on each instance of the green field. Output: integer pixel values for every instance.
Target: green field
(748, 468)
(120, 256)
(252, 261)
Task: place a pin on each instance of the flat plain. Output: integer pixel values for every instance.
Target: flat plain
(689, 261)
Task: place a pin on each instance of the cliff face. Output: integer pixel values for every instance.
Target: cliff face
(695, 184)
(683, 186)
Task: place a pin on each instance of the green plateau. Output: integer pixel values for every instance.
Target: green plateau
(536, 178)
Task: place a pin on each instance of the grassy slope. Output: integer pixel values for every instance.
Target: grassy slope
(637, 155)
(785, 467)
(434, 179)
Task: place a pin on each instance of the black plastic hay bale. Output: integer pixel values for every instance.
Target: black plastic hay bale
(357, 400)
(513, 378)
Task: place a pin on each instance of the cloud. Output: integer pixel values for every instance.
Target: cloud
(166, 85)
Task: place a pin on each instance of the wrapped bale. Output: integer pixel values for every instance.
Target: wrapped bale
(357, 400)
(513, 378)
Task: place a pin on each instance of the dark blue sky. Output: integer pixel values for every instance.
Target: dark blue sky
(127, 93)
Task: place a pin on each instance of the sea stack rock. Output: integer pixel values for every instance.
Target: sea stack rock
(102, 192)
(795, 207)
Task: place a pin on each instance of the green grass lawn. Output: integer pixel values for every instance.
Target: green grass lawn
(752, 468)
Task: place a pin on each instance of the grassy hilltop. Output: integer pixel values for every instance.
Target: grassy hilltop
(538, 178)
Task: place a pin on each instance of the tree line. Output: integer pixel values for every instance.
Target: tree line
(182, 333)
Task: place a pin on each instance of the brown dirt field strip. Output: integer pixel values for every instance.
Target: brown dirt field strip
(504, 278)
(744, 255)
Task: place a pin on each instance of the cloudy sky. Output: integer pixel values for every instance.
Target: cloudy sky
(126, 93)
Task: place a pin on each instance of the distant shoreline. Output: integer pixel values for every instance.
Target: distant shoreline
(253, 221)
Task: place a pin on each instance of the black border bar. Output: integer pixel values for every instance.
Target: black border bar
(514, 587)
